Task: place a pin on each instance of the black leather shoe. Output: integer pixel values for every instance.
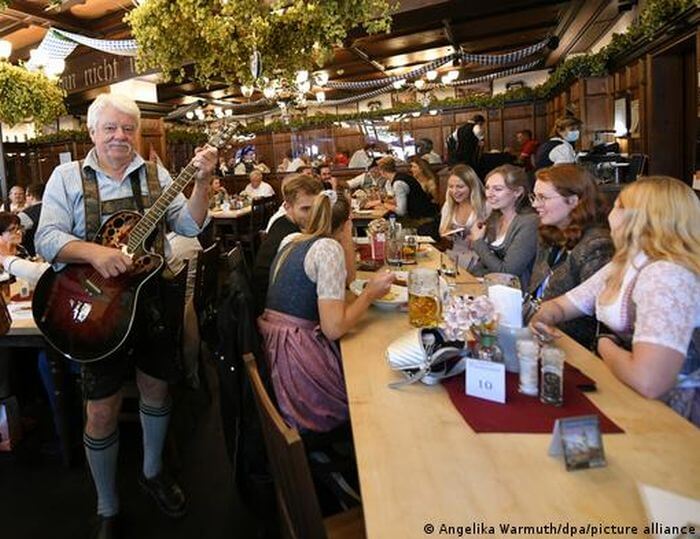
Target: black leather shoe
(166, 492)
(108, 528)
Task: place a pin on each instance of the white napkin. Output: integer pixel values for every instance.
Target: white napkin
(509, 305)
(669, 508)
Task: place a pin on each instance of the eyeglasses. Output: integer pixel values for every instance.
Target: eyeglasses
(541, 199)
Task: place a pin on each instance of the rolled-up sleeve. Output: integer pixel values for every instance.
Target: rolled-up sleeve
(57, 218)
(179, 218)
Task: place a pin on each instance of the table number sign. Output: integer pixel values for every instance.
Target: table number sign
(486, 380)
(579, 440)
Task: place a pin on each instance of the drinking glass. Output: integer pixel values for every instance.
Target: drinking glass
(410, 246)
(393, 251)
(424, 298)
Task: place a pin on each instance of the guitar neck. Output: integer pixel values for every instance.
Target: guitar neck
(155, 213)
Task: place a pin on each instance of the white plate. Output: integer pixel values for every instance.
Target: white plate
(400, 295)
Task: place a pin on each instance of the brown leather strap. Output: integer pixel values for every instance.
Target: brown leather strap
(91, 201)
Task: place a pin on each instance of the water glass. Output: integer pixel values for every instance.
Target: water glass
(527, 351)
(393, 251)
(424, 298)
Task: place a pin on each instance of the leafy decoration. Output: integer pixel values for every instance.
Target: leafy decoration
(63, 135)
(28, 95)
(219, 36)
(185, 136)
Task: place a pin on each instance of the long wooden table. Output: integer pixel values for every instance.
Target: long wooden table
(421, 465)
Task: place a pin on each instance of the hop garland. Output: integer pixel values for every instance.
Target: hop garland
(219, 36)
(27, 95)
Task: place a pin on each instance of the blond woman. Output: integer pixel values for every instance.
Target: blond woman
(648, 296)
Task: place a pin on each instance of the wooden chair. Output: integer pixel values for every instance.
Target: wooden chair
(300, 514)
(258, 220)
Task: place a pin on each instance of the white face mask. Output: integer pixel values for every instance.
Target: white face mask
(478, 132)
(572, 136)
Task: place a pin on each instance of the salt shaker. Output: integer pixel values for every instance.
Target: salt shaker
(552, 384)
(527, 350)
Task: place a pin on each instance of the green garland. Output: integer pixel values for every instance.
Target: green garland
(28, 95)
(185, 136)
(219, 37)
(60, 136)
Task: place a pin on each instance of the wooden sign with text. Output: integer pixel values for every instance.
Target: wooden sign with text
(94, 69)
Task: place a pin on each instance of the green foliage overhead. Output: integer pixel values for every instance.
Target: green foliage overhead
(219, 36)
(28, 96)
(185, 136)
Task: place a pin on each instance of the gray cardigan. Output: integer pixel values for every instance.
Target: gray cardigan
(515, 255)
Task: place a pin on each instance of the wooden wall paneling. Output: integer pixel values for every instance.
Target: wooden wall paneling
(494, 130)
(664, 113)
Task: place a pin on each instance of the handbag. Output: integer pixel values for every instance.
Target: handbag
(425, 355)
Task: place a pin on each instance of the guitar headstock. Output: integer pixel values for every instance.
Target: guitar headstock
(222, 136)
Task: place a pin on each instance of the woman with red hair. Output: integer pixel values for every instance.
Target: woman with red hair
(574, 241)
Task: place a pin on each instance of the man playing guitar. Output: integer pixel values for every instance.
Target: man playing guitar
(79, 196)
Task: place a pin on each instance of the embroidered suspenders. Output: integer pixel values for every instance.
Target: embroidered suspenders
(95, 208)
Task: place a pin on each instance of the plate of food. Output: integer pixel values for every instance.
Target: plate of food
(395, 298)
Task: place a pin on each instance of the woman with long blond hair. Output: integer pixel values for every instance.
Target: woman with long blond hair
(306, 313)
(464, 206)
(648, 296)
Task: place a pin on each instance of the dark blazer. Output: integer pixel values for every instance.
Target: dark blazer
(592, 252)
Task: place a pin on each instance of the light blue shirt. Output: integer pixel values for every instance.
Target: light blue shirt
(63, 213)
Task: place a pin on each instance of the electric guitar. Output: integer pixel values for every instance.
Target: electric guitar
(87, 317)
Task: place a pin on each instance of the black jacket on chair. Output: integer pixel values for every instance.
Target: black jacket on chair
(238, 335)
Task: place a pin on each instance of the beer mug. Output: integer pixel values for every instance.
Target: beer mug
(424, 298)
(410, 246)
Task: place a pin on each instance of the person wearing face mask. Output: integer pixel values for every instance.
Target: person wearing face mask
(559, 148)
(507, 241)
(574, 239)
(463, 146)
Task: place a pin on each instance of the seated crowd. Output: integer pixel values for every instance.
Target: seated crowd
(625, 282)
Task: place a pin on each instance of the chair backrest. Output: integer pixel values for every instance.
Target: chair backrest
(235, 260)
(300, 513)
(259, 211)
(638, 164)
(206, 279)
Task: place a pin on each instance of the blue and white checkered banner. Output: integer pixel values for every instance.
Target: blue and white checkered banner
(59, 44)
(485, 59)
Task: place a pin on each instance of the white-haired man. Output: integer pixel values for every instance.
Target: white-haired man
(79, 196)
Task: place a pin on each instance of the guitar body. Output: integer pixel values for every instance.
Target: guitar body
(85, 316)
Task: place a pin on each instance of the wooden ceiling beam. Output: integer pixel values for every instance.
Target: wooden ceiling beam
(64, 21)
(573, 26)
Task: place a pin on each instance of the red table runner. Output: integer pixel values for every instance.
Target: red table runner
(524, 414)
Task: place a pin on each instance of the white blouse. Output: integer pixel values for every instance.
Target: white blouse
(663, 306)
(324, 265)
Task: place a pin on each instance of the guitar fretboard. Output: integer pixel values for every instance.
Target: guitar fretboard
(155, 213)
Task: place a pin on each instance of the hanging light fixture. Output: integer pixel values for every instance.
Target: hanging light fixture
(189, 115)
(218, 112)
(5, 49)
(38, 57)
(302, 76)
(246, 91)
(55, 67)
(398, 84)
(454, 75)
(304, 86)
(321, 78)
(320, 97)
(419, 84)
(432, 112)
(269, 92)
(431, 75)
(415, 114)
(228, 112)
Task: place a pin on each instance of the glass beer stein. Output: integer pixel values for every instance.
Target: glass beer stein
(424, 298)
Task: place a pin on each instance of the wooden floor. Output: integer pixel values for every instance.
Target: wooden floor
(41, 498)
